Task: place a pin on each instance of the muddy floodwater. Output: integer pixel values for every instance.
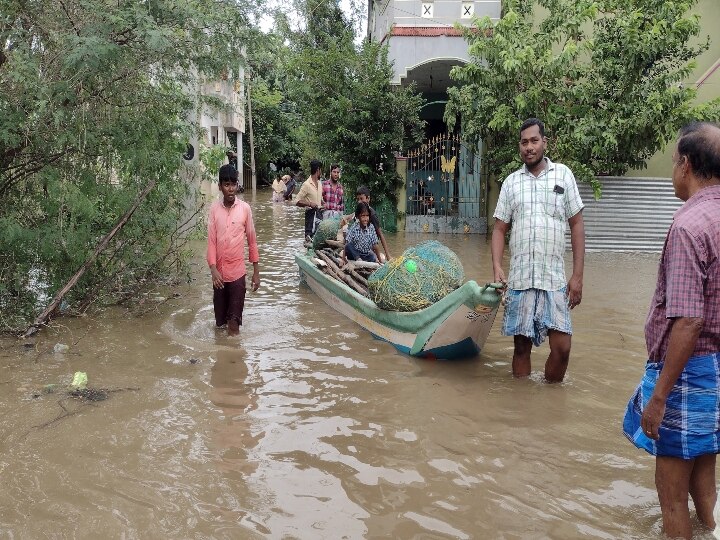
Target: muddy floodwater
(306, 427)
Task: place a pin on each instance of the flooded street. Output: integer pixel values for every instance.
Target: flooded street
(306, 427)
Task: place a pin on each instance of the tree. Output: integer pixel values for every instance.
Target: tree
(352, 115)
(94, 105)
(275, 115)
(606, 76)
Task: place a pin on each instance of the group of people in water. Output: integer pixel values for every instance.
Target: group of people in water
(325, 199)
(283, 188)
(231, 227)
(674, 412)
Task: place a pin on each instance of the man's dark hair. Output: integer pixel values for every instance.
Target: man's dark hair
(700, 143)
(315, 166)
(362, 207)
(362, 190)
(530, 122)
(228, 172)
(334, 166)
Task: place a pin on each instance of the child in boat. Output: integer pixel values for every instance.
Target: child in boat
(361, 243)
(230, 224)
(363, 195)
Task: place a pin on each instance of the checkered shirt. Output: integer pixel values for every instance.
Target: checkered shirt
(362, 239)
(537, 209)
(332, 195)
(688, 283)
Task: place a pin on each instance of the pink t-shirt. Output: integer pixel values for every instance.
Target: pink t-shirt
(227, 230)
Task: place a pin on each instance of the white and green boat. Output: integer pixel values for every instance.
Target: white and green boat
(454, 327)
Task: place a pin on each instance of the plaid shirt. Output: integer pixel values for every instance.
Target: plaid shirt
(332, 194)
(362, 239)
(688, 283)
(538, 209)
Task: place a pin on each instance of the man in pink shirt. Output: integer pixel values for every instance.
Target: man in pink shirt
(230, 223)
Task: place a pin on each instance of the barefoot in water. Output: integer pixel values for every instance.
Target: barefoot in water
(233, 327)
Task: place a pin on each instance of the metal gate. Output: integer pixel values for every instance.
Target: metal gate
(445, 191)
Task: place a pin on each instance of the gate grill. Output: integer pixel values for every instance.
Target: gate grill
(445, 190)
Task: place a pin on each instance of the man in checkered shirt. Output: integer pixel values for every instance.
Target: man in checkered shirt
(536, 203)
(332, 194)
(674, 413)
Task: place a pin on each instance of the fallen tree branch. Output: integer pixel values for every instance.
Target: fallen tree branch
(50, 310)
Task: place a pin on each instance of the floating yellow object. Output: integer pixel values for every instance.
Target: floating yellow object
(80, 380)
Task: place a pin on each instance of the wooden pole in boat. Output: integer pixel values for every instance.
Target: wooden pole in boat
(341, 275)
(361, 280)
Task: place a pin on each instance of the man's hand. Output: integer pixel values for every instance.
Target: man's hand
(499, 277)
(217, 279)
(652, 417)
(574, 291)
(255, 281)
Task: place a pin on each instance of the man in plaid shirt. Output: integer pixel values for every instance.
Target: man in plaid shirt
(538, 201)
(332, 194)
(674, 413)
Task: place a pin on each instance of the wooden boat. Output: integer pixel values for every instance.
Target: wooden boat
(454, 327)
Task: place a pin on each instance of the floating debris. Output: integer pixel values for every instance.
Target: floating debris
(80, 380)
(90, 394)
(61, 348)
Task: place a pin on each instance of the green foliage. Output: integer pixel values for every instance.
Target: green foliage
(351, 114)
(606, 77)
(94, 104)
(211, 158)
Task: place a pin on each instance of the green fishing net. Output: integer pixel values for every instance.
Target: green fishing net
(327, 229)
(421, 276)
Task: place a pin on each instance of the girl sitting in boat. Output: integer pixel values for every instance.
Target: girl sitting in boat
(361, 243)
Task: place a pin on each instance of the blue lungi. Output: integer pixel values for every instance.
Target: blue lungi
(532, 312)
(691, 425)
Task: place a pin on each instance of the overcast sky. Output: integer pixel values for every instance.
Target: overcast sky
(266, 22)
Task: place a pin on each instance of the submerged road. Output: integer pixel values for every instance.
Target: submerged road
(304, 426)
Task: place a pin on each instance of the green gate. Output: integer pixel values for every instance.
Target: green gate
(445, 191)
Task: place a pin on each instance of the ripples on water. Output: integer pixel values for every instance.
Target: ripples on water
(307, 427)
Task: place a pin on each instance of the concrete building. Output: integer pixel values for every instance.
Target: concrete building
(443, 191)
(223, 126)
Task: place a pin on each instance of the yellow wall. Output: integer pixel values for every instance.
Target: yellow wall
(660, 165)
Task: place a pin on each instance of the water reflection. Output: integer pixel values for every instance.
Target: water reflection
(233, 394)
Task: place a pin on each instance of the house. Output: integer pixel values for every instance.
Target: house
(443, 191)
(223, 126)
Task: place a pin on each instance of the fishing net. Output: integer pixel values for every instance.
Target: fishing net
(326, 230)
(421, 276)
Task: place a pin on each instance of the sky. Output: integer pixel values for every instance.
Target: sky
(266, 22)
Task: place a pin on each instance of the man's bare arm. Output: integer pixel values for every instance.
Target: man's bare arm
(497, 248)
(577, 241)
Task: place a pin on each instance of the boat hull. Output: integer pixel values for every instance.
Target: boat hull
(454, 327)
